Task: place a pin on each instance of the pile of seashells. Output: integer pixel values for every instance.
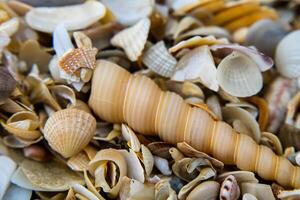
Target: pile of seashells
(81, 117)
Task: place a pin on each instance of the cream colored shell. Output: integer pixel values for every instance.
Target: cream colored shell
(69, 131)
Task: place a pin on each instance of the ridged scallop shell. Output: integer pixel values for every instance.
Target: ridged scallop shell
(133, 39)
(287, 55)
(239, 76)
(197, 65)
(158, 59)
(7, 84)
(69, 131)
(78, 58)
(130, 13)
(74, 17)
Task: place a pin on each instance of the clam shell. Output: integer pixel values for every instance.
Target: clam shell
(207, 190)
(45, 19)
(133, 189)
(286, 56)
(7, 168)
(133, 39)
(69, 131)
(261, 191)
(229, 189)
(129, 13)
(197, 65)
(239, 76)
(158, 59)
(160, 149)
(79, 162)
(7, 84)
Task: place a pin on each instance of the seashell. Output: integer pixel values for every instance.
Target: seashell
(176, 154)
(86, 14)
(36, 152)
(185, 24)
(160, 149)
(16, 192)
(229, 189)
(19, 7)
(79, 105)
(96, 169)
(79, 162)
(249, 19)
(214, 104)
(150, 111)
(197, 41)
(197, 65)
(239, 76)
(205, 173)
(182, 7)
(274, 141)
(147, 159)
(23, 125)
(289, 194)
(262, 105)
(133, 189)
(7, 84)
(207, 190)
(91, 187)
(215, 31)
(64, 92)
(162, 165)
(163, 190)
(230, 114)
(240, 176)
(239, 36)
(82, 40)
(248, 196)
(45, 176)
(185, 89)
(84, 192)
(259, 35)
(289, 136)
(124, 14)
(130, 137)
(191, 152)
(287, 61)
(278, 94)
(14, 142)
(69, 131)
(263, 62)
(133, 39)
(32, 53)
(261, 191)
(158, 59)
(10, 27)
(7, 168)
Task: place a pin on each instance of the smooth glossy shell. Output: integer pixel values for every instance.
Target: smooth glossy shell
(69, 131)
(45, 19)
(287, 55)
(239, 76)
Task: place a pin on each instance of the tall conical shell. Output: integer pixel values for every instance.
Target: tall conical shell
(118, 96)
(69, 131)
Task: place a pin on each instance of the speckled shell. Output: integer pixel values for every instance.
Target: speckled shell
(117, 96)
(287, 58)
(69, 131)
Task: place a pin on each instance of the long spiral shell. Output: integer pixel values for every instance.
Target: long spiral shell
(117, 96)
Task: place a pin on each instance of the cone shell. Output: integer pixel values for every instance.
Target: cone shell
(287, 55)
(133, 39)
(158, 59)
(78, 58)
(69, 131)
(239, 76)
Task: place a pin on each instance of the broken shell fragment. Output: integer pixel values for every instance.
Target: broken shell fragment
(133, 39)
(207, 190)
(239, 75)
(147, 159)
(7, 84)
(248, 196)
(162, 165)
(163, 190)
(158, 59)
(69, 131)
(129, 135)
(7, 168)
(45, 19)
(129, 13)
(286, 56)
(197, 65)
(10, 27)
(261, 191)
(229, 189)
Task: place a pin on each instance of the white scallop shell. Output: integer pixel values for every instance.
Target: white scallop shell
(287, 57)
(130, 12)
(158, 59)
(239, 75)
(74, 17)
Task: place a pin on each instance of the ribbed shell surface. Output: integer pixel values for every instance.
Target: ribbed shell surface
(69, 131)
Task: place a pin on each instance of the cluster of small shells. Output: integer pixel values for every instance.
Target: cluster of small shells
(238, 60)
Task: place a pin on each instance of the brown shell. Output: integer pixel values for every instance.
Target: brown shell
(78, 58)
(7, 83)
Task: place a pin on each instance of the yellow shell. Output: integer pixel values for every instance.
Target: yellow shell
(69, 131)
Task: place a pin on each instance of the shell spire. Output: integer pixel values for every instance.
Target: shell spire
(117, 96)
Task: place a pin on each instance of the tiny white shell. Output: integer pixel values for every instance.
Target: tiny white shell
(287, 57)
